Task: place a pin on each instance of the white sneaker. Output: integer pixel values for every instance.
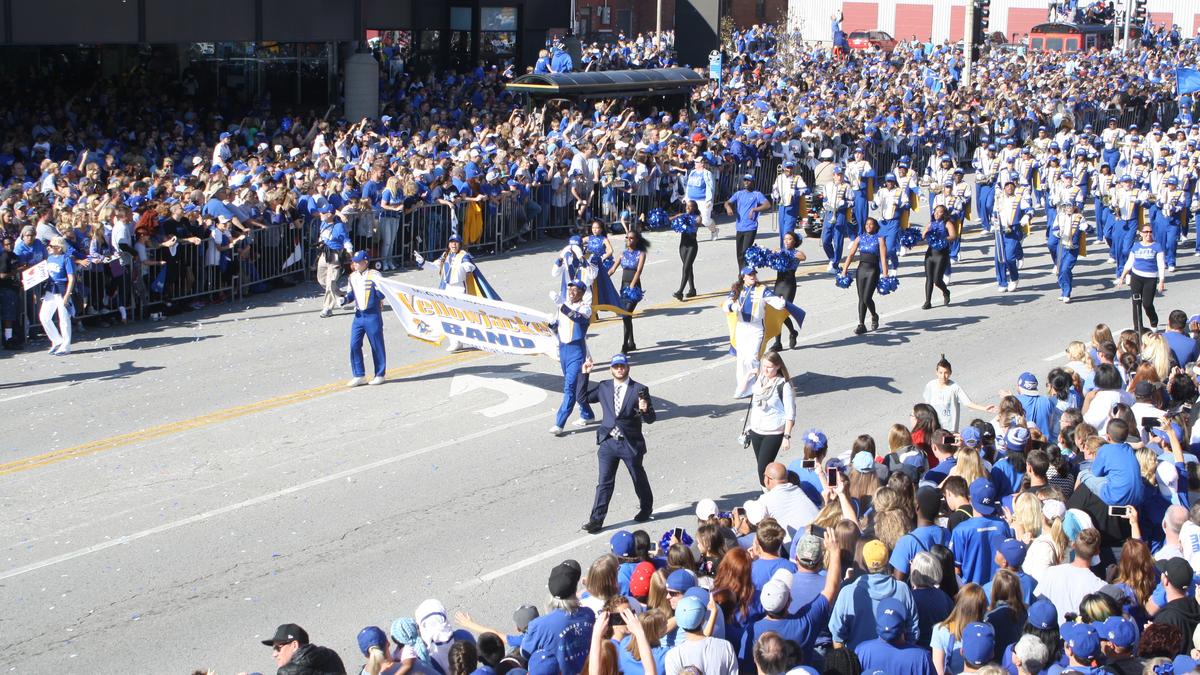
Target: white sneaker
(1170, 268)
(54, 347)
(556, 430)
(1056, 270)
(1002, 288)
(1013, 285)
(946, 277)
(378, 379)
(356, 381)
(1066, 299)
(1020, 263)
(62, 351)
(581, 422)
(326, 313)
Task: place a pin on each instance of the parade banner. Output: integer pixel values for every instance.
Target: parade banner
(432, 315)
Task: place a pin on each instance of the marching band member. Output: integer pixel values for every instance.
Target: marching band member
(1111, 136)
(1070, 229)
(368, 320)
(571, 326)
(458, 274)
(570, 265)
(861, 177)
(872, 259)
(1126, 213)
(1012, 215)
(1170, 219)
(941, 230)
(986, 166)
(890, 201)
(1063, 192)
(1103, 183)
(838, 201)
(789, 191)
(962, 190)
(755, 316)
(333, 241)
(937, 175)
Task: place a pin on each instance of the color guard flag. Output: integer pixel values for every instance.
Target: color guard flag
(1187, 80)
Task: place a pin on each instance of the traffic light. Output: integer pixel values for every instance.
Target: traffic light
(1139, 13)
(981, 16)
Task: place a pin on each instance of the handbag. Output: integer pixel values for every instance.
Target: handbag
(744, 437)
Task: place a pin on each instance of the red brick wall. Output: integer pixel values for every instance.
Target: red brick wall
(913, 20)
(860, 16)
(1161, 18)
(958, 28)
(745, 12)
(1020, 20)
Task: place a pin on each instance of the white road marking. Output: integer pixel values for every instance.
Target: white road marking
(517, 395)
(1056, 356)
(36, 393)
(371, 466)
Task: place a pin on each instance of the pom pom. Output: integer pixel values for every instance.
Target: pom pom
(684, 223)
(757, 256)
(936, 241)
(887, 285)
(658, 219)
(783, 261)
(910, 236)
(631, 294)
(843, 280)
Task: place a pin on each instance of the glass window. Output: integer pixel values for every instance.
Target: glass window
(460, 18)
(1072, 45)
(498, 18)
(430, 39)
(1036, 43)
(498, 43)
(1054, 44)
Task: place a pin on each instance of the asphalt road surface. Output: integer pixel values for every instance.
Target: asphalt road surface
(173, 491)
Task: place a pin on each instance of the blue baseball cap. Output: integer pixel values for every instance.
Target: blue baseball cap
(983, 496)
(359, 256)
(1013, 551)
(689, 613)
(454, 238)
(978, 643)
(1120, 631)
(1042, 614)
(816, 439)
(621, 543)
(970, 437)
(325, 208)
(680, 580)
(890, 618)
(1027, 382)
(575, 240)
(1082, 639)
(371, 636)
(1016, 439)
(748, 269)
(576, 283)
(619, 360)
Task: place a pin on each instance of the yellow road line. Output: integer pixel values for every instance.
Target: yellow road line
(170, 428)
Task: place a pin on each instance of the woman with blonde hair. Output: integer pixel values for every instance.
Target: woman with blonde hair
(1157, 352)
(969, 465)
(601, 582)
(629, 649)
(658, 599)
(891, 525)
(1080, 364)
(1050, 546)
(970, 606)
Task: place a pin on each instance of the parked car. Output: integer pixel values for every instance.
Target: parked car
(864, 39)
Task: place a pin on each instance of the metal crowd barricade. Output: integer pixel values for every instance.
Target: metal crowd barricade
(270, 254)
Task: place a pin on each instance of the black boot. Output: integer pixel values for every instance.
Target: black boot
(792, 339)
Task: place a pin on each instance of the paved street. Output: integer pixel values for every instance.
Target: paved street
(173, 491)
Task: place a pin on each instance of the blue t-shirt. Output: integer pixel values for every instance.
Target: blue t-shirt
(1118, 463)
(933, 606)
(1041, 411)
(1006, 477)
(1028, 584)
(543, 631)
(631, 666)
(744, 202)
(1183, 346)
(806, 586)
(920, 539)
(974, 543)
(800, 627)
(1145, 258)
(894, 659)
(761, 570)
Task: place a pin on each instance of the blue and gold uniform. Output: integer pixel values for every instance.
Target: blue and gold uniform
(570, 324)
(368, 320)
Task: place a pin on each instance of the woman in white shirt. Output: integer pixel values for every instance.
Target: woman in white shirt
(1109, 391)
(948, 398)
(772, 412)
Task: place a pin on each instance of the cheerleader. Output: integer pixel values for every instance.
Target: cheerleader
(872, 261)
(633, 260)
(689, 247)
(1012, 215)
(1145, 264)
(941, 230)
(597, 246)
(785, 286)
(1069, 230)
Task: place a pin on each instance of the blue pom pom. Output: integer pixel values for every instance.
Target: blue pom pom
(757, 256)
(658, 219)
(665, 543)
(684, 223)
(910, 236)
(843, 280)
(631, 294)
(887, 284)
(936, 241)
(783, 261)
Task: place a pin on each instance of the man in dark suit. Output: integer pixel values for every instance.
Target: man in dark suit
(625, 405)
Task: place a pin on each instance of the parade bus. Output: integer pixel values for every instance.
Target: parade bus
(1072, 37)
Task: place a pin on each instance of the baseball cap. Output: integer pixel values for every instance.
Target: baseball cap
(1082, 639)
(689, 613)
(564, 580)
(863, 462)
(755, 511)
(639, 583)
(978, 643)
(618, 360)
(621, 543)
(705, 509)
(983, 496)
(371, 636)
(875, 555)
(576, 283)
(1144, 388)
(816, 439)
(1120, 631)
(809, 550)
(1178, 571)
(890, 617)
(523, 616)
(970, 437)
(1016, 439)
(454, 238)
(680, 580)
(286, 633)
(1027, 382)
(929, 501)
(1013, 551)
(748, 269)
(748, 177)
(1043, 614)
(775, 596)
(359, 256)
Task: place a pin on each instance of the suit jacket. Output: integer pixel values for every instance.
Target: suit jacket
(628, 419)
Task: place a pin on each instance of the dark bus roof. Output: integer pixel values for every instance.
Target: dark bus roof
(648, 82)
(1077, 28)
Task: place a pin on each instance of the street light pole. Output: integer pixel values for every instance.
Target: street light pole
(968, 41)
(658, 17)
(1128, 13)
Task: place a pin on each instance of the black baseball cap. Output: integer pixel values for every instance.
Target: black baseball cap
(287, 633)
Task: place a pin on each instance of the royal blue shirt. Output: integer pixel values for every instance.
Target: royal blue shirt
(543, 631)
(1118, 463)
(974, 543)
(893, 659)
(920, 539)
(1041, 411)
(744, 202)
(762, 570)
